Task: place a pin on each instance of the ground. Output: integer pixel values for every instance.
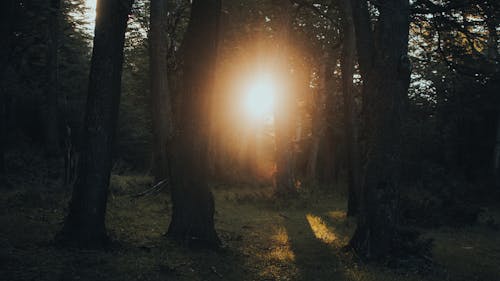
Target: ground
(300, 239)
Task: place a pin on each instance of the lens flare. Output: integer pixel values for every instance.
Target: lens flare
(259, 98)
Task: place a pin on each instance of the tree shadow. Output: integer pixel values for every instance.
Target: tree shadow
(316, 253)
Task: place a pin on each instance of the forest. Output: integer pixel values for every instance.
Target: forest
(273, 140)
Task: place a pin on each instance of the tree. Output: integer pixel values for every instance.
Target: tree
(84, 225)
(385, 70)
(193, 204)
(350, 124)
(160, 94)
(283, 111)
(50, 108)
(6, 21)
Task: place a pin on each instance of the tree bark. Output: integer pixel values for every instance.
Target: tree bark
(160, 92)
(50, 106)
(84, 226)
(385, 71)
(350, 124)
(193, 204)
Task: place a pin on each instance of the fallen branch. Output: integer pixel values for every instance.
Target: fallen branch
(154, 189)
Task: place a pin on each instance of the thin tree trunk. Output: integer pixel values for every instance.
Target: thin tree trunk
(3, 129)
(350, 124)
(283, 119)
(84, 226)
(193, 204)
(50, 106)
(496, 152)
(385, 73)
(318, 122)
(491, 22)
(160, 92)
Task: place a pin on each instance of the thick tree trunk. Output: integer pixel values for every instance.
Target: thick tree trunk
(160, 92)
(7, 15)
(50, 106)
(193, 204)
(385, 84)
(84, 226)
(350, 124)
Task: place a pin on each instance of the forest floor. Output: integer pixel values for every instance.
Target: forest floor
(263, 240)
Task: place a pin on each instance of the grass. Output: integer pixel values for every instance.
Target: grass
(301, 239)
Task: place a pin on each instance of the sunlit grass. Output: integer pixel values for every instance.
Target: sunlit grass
(337, 215)
(320, 229)
(281, 249)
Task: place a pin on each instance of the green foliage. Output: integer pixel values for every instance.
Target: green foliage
(134, 129)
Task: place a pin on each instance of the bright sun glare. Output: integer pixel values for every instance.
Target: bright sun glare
(259, 98)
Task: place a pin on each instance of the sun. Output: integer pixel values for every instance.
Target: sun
(258, 98)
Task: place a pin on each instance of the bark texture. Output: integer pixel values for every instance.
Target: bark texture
(385, 71)
(193, 204)
(160, 92)
(84, 226)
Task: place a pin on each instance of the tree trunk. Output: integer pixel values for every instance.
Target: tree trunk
(3, 129)
(283, 117)
(6, 19)
(193, 204)
(496, 152)
(160, 92)
(50, 106)
(84, 226)
(318, 121)
(491, 22)
(350, 124)
(386, 73)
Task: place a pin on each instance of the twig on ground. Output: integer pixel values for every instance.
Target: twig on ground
(154, 189)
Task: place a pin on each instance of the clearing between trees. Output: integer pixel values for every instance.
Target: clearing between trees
(262, 239)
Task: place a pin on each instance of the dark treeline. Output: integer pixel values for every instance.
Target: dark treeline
(392, 105)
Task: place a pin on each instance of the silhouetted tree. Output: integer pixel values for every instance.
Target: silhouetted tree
(50, 103)
(385, 71)
(160, 93)
(283, 109)
(193, 203)
(84, 225)
(6, 20)
(350, 120)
